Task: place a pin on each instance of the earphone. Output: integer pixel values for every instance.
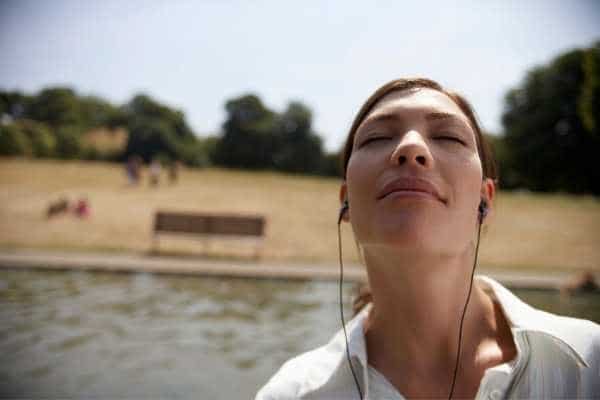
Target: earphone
(482, 212)
(343, 209)
(482, 209)
(345, 206)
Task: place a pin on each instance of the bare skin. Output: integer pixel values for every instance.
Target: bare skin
(397, 350)
(418, 241)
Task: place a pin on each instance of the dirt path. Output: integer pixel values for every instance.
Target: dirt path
(132, 262)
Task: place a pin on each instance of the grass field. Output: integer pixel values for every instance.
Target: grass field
(529, 230)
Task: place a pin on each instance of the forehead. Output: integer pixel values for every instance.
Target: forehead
(415, 101)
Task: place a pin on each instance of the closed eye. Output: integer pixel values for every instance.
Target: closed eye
(373, 139)
(450, 138)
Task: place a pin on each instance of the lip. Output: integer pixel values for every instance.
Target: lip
(413, 187)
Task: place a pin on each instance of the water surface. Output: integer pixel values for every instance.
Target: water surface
(109, 335)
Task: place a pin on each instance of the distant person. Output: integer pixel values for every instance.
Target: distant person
(582, 282)
(418, 184)
(154, 172)
(138, 169)
(57, 207)
(132, 169)
(174, 171)
(82, 208)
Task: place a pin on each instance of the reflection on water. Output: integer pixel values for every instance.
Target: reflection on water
(83, 334)
(74, 334)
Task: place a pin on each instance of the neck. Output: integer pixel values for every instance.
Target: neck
(413, 327)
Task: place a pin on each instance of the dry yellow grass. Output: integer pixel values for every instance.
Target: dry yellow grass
(528, 230)
(105, 140)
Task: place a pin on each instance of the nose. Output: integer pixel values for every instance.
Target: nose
(412, 150)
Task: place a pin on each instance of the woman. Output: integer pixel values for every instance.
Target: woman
(418, 184)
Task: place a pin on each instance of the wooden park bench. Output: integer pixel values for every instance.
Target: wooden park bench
(221, 226)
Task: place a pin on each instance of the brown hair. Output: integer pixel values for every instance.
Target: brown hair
(485, 155)
(363, 291)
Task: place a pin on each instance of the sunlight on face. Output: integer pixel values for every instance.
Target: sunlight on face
(414, 177)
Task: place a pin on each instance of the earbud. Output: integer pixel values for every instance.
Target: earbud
(343, 209)
(482, 209)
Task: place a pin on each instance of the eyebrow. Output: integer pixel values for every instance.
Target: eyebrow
(432, 116)
(435, 116)
(381, 117)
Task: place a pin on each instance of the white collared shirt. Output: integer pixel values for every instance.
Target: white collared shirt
(557, 357)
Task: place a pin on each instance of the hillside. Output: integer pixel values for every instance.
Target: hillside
(529, 230)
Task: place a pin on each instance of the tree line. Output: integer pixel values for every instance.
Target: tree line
(551, 126)
(550, 137)
(57, 121)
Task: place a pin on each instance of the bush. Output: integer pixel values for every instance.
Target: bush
(194, 153)
(68, 144)
(43, 143)
(91, 153)
(13, 141)
(330, 165)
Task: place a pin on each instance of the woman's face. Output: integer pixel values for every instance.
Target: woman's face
(414, 178)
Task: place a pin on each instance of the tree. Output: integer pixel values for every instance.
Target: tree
(68, 144)
(13, 104)
(300, 150)
(249, 135)
(54, 121)
(195, 153)
(155, 129)
(43, 142)
(57, 107)
(149, 138)
(13, 141)
(144, 107)
(552, 136)
(501, 155)
(96, 112)
(331, 165)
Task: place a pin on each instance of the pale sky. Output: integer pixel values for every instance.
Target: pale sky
(194, 55)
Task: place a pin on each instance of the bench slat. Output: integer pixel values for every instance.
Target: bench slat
(217, 224)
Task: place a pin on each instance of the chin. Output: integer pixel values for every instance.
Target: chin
(409, 231)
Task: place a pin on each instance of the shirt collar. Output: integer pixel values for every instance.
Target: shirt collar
(356, 337)
(567, 331)
(356, 347)
(521, 316)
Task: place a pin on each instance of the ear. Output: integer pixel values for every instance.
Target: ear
(344, 197)
(488, 193)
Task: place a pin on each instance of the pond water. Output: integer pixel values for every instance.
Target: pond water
(103, 335)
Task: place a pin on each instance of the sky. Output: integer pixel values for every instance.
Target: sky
(330, 55)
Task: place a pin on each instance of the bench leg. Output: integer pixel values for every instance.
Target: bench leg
(155, 244)
(257, 251)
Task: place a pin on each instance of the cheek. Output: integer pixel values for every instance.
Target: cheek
(460, 168)
(360, 178)
(465, 182)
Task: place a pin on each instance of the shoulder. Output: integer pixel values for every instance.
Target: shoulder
(301, 374)
(319, 373)
(580, 336)
(577, 337)
(568, 350)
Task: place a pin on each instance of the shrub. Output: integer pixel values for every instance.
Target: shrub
(13, 141)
